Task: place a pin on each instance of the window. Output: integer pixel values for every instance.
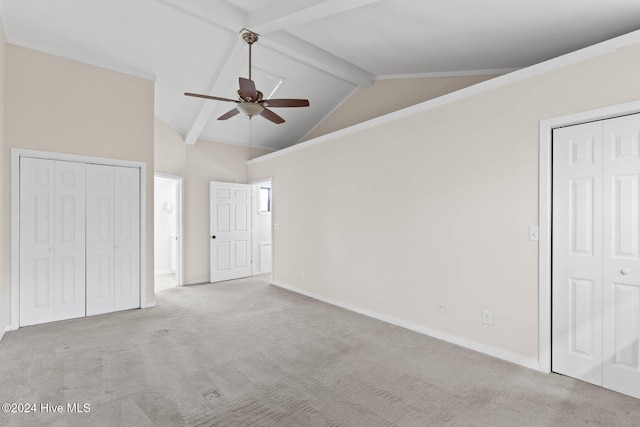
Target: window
(264, 200)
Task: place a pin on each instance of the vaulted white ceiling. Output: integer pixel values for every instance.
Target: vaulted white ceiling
(321, 50)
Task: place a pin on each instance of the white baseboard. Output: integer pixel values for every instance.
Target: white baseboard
(196, 282)
(150, 304)
(472, 345)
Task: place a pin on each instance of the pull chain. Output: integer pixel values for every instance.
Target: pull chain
(250, 136)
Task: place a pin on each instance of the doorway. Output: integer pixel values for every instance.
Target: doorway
(262, 246)
(589, 172)
(167, 231)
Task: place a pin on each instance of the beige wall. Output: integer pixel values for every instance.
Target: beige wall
(4, 268)
(198, 164)
(63, 106)
(386, 96)
(436, 207)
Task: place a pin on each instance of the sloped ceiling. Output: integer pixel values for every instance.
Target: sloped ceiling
(322, 50)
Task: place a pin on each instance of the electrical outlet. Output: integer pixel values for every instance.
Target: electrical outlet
(442, 307)
(487, 317)
(534, 234)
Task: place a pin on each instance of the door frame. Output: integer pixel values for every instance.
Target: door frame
(180, 226)
(16, 154)
(545, 210)
(253, 230)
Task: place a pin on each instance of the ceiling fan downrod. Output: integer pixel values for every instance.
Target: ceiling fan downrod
(250, 37)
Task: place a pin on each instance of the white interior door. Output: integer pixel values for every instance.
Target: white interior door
(577, 252)
(100, 239)
(230, 231)
(621, 284)
(113, 238)
(596, 253)
(69, 259)
(127, 238)
(52, 263)
(37, 208)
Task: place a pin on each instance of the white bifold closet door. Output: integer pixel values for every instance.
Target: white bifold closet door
(596, 253)
(113, 238)
(52, 239)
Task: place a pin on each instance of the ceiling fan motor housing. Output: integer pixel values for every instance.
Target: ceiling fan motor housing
(249, 37)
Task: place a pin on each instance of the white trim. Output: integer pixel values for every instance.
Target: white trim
(16, 154)
(472, 345)
(487, 85)
(235, 143)
(467, 73)
(545, 206)
(253, 231)
(15, 239)
(150, 304)
(143, 227)
(197, 282)
(180, 217)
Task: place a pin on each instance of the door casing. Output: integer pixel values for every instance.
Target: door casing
(16, 154)
(544, 214)
(180, 227)
(253, 222)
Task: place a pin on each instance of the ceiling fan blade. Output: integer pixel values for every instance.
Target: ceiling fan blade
(285, 102)
(216, 98)
(229, 114)
(270, 115)
(247, 88)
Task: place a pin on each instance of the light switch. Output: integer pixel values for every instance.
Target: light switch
(533, 233)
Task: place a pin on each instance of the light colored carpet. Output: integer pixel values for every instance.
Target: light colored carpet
(245, 353)
(164, 281)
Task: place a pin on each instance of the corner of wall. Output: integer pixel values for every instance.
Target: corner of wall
(4, 331)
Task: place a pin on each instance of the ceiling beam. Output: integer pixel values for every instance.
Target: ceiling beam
(270, 21)
(280, 16)
(289, 13)
(220, 82)
(322, 60)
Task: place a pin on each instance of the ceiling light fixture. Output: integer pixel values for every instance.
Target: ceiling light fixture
(250, 109)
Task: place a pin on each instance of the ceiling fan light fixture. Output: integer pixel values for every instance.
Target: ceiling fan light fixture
(250, 109)
(251, 102)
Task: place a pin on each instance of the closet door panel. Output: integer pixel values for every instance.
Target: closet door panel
(100, 239)
(69, 259)
(36, 241)
(577, 252)
(621, 292)
(127, 238)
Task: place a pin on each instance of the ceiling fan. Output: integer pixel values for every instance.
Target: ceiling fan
(250, 100)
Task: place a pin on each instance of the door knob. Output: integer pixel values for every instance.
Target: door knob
(625, 271)
(213, 237)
